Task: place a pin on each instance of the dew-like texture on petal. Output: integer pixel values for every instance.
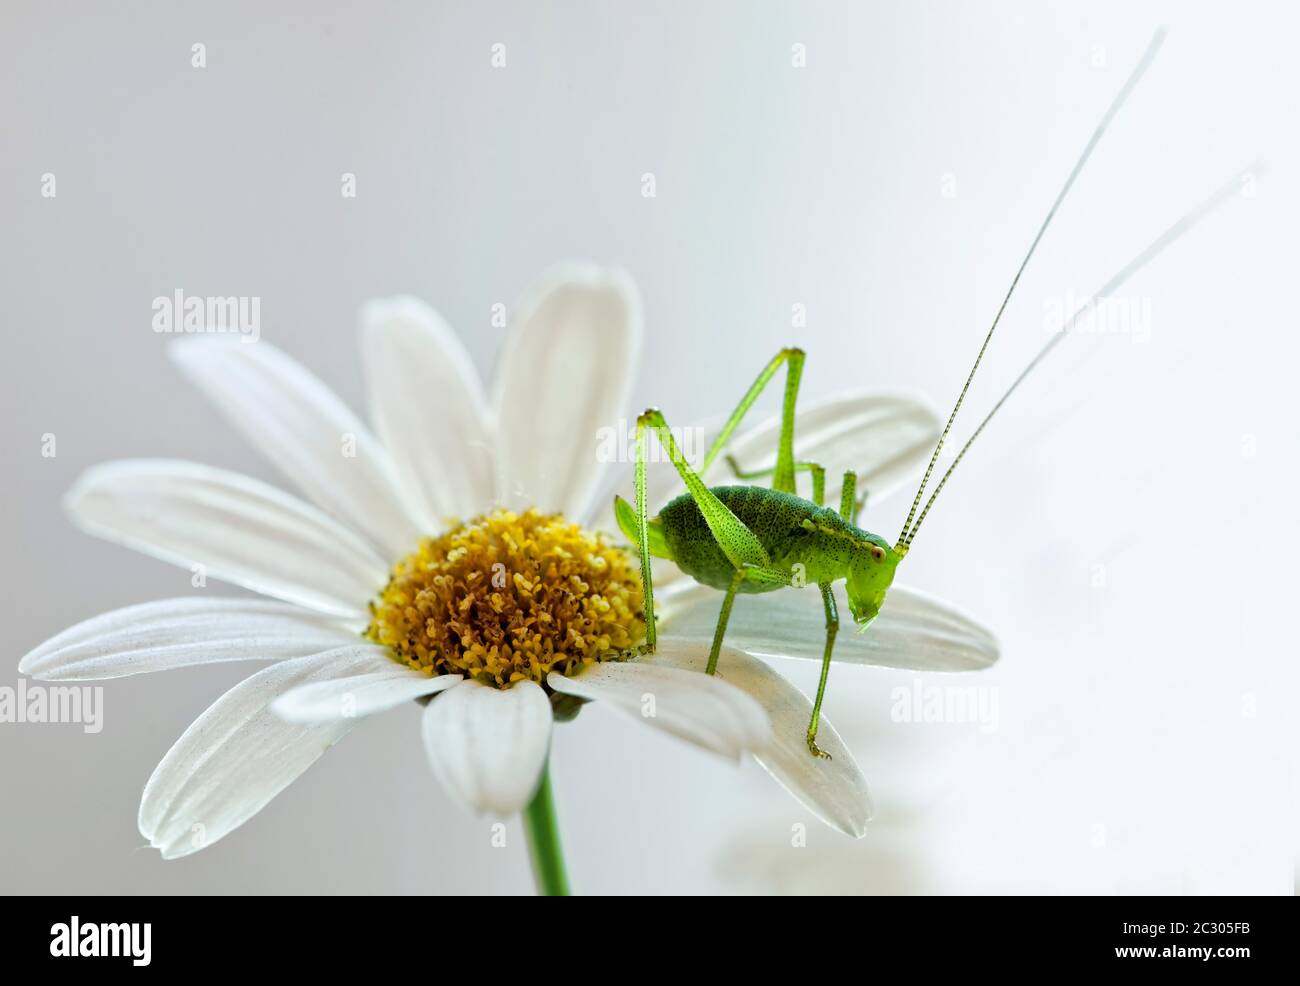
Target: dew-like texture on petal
(488, 745)
(174, 633)
(834, 790)
(566, 369)
(914, 632)
(238, 529)
(385, 685)
(698, 708)
(306, 431)
(238, 755)
(429, 409)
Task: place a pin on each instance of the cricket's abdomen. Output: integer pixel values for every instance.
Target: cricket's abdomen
(778, 521)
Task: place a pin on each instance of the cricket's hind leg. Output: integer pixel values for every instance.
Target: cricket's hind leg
(785, 466)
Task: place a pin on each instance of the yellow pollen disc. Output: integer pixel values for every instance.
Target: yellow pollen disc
(510, 596)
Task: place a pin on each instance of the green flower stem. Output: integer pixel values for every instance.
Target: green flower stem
(544, 840)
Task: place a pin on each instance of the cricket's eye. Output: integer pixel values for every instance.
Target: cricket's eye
(877, 552)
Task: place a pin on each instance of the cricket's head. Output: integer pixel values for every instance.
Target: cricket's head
(871, 573)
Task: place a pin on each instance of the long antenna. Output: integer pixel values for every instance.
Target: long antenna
(1154, 249)
(1153, 46)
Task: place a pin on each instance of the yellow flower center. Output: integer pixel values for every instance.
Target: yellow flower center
(509, 596)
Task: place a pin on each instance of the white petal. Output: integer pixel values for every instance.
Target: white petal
(699, 708)
(384, 686)
(237, 756)
(306, 431)
(429, 408)
(565, 374)
(833, 789)
(914, 631)
(488, 745)
(174, 633)
(681, 596)
(883, 437)
(240, 530)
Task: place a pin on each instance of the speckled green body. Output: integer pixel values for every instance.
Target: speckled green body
(793, 531)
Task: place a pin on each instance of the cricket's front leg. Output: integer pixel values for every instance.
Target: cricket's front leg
(850, 503)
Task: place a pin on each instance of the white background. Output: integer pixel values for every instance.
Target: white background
(1128, 527)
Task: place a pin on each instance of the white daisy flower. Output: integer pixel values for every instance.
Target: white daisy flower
(435, 563)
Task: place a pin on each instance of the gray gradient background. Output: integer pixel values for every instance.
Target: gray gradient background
(1145, 738)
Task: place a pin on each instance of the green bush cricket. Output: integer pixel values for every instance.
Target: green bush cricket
(755, 539)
